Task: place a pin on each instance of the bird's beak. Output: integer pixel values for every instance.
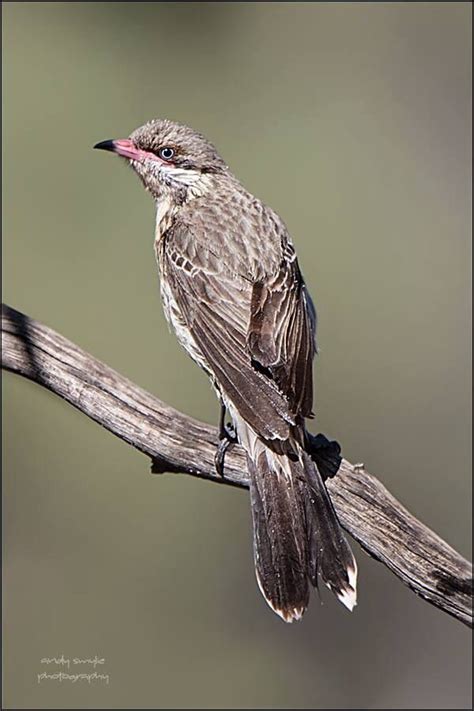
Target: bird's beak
(123, 147)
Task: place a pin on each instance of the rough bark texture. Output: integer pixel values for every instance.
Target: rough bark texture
(177, 443)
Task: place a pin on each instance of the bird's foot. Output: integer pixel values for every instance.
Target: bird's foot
(326, 454)
(228, 438)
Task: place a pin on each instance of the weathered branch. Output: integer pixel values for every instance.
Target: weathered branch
(178, 443)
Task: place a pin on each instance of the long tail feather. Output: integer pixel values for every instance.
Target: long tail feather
(296, 533)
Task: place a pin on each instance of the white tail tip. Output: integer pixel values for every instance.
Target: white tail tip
(348, 594)
(293, 614)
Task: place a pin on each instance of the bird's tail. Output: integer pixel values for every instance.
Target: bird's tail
(296, 533)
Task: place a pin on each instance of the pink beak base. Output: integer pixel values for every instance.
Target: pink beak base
(127, 149)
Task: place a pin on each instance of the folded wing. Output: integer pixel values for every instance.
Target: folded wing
(257, 336)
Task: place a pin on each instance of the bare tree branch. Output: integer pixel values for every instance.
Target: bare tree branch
(177, 443)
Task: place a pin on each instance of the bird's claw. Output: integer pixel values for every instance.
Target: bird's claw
(325, 454)
(219, 457)
(228, 438)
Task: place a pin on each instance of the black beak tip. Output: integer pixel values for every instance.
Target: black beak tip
(105, 146)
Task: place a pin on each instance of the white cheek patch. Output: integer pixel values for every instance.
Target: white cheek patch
(197, 183)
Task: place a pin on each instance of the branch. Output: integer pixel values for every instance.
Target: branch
(177, 443)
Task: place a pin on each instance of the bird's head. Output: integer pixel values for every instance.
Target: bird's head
(169, 158)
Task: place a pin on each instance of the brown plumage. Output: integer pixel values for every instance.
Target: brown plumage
(233, 291)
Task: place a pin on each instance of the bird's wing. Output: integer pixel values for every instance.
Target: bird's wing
(281, 335)
(256, 336)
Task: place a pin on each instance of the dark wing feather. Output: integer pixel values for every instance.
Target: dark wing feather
(214, 303)
(257, 336)
(282, 335)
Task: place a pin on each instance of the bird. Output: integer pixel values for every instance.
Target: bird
(233, 292)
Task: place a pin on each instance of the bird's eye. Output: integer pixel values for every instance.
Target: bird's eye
(166, 153)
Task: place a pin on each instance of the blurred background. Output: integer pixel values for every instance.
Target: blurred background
(353, 122)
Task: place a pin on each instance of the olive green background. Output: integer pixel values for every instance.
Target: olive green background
(353, 122)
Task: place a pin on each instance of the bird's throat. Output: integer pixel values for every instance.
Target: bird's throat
(166, 209)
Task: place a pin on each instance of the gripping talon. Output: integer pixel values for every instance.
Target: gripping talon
(325, 454)
(227, 438)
